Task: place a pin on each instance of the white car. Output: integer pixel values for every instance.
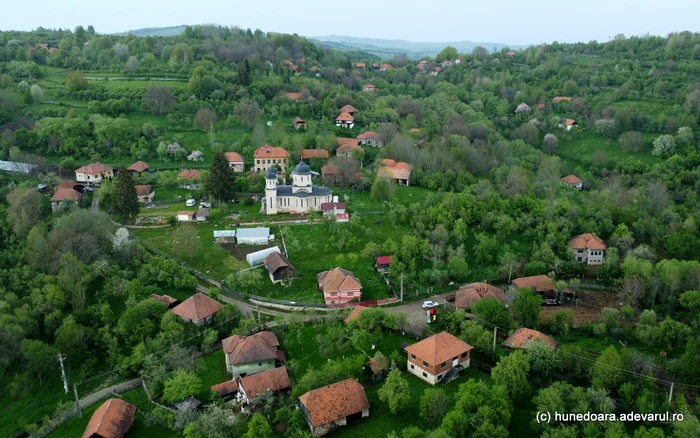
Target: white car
(430, 304)
(203, 204)
(190, 202)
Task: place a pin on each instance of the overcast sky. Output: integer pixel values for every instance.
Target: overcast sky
(498, 21)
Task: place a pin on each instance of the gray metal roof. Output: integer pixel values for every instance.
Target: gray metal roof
(302, 169)
(11, 166)
(224, 233)
(315, 191)
(252, 233)
(271, 172)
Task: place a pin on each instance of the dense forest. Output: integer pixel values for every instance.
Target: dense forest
(486, 140)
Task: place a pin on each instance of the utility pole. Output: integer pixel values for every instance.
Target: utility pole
(258, 309)
(670, 394)
(63, 373)
(402, 287)
(77, 400)
(510, 271)
(494, 339)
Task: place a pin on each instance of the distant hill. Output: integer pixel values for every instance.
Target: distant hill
(414, 50)
(156, 31)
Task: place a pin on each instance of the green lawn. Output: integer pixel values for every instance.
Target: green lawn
(579, 151)
(212, 371)
(113, 85)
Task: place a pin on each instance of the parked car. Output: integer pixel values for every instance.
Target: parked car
(430, 304)
(190, 202)
(203, 204)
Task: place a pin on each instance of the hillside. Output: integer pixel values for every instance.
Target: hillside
(156, 31)
(414, 50)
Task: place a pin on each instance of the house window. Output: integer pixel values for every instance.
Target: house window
(578, 259)
(413, 356)
(425, 375)
(464, 354)
(580, 251)
(412, 367)
(259, 364)
(425, 364)
(443, 365)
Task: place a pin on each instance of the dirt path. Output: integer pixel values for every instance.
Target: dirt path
(104, 393)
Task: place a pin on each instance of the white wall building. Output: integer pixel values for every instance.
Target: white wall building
(300, 197)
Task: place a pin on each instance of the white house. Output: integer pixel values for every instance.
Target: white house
(235, 161)
(301, 197)
(588, 248)
(345, 120)
(94, 173)
(186, 216)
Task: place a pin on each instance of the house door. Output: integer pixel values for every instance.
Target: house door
(455, 362)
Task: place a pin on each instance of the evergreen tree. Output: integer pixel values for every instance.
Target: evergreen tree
(220, 179)
(125, 202)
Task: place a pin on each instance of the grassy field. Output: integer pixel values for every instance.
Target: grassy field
(579, 151)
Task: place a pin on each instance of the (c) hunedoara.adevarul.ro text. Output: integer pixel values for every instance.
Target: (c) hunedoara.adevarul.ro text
(557, 417)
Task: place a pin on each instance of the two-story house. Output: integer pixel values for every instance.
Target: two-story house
(252, 354)
(93, 174)
(339, 286)
(588, 248)
(432, 358)
(371, 138)
(235, 161)
(267, 156)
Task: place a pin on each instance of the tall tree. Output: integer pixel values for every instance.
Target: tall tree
(394, 392)
(219, 181)
(511, 372)
(125, 201)
(24, 210)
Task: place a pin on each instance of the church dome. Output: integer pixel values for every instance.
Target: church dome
(271, 173)
(302, 169)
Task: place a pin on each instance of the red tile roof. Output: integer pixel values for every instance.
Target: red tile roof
(384, 260)
(571, 179)
(245, 349)
(337, 280)
(345, 117)
(275, 380)
(314, 68)
(139, 166)
(190, 174)
(570, 122)
(394, 170)
(330, 169)
(234, 157)
(67, 184)
(354, 314)
(185, 213)
(348, 109)
(439, 348)
(587, 241)
(348, 145)
(94, 169)
(468, 294)
(368, 87)
(560, 98)
(329, 206)
(378, 365)
(197, 307)
(294, 96)
(313, 153)
(386, 66)
(275, 261)
(539, 105)
(143, 190)
(360, 64)
(226, 388)
(165, 299)
(334, 402)
(511, 53)
(541, 283)
(522, 336)
(111, 420)
(267, 151)
(369, 135)
(62, 194)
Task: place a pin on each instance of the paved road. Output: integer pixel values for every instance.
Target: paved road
(417, 319)
(95, 206)
(104, 393)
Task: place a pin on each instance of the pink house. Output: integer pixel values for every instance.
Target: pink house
(339, 286)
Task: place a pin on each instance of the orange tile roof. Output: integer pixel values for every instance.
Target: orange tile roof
(254, 348)
(360, 64)
(197, 307)
(378, 365)
(348, 109)
(369, 135)
(439, 348)
(570, 122)
(234, 157)
(190, 174)
(349, 146)
(385, 66)
(522, 336)
(64, 194)
(298, 120)
(338, 280)
(294, 96)
(94, 169)
(139, 166)
(185, 213)
(511, 53)
(314, 68)
(67, 184)
(111, 420)
(267, 151)
(414, 130)
(275, 380)
(541, 283)
(354, 314)
(560, 98)
(394, 170)
(167, 300)
(226, 388)
(330, 169)
(587, 241)
(571, 179)
(468, 294)
(334, 402)
(369, 87)
(313, 153)
(345, 117)
(143, 190)
(342, 141)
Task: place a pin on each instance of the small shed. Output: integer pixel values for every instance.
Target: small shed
(257, 258)
(224, 236)
(202, 214)
(383, 263)
(189, 404)
(253, 236)
(185, 216)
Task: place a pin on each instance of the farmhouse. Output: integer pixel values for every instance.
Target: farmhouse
(335, 209)
(399, 172)
(197, 309)
(348, 109)
(168, 301)
(558, 99)
(345, 120)
(111, 420)
(383, 263)
(438, 357)
(467, 295)
(423, 65)
(371, 139)
(567, 123)
(538, 283)
(300, 197)
(354, 314)
(235, 161)
(138, 167)
(370, 88)
(268, 156)
(278, 267)
(573, 181)
(189, 178)
(308, 154)
(298, 122)
(334, 405)
(63, 197)
(226, 389)
(588, 248)
(339, 286)
(436, 71)
(361, 65)
(94, 173)
(275, 380)
(294, 96)
(251, 354)
(347, 146)
(258, 258)
(523, 336)
(385, 67)
(145, 193)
